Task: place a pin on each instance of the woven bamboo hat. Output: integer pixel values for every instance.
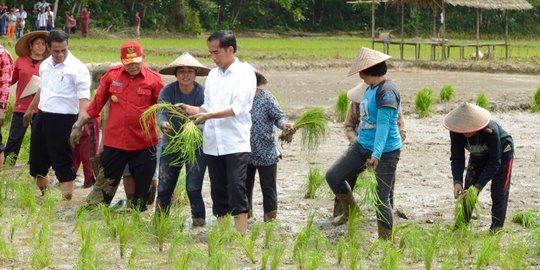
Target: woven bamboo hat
(467, 118)
(367, 58)
(22, 47)
(261, 80)
(185, 60)
(355, 94)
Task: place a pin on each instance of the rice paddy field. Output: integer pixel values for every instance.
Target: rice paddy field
(43, 232)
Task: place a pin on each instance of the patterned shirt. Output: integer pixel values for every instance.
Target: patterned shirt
(6, 69)
(265, 113)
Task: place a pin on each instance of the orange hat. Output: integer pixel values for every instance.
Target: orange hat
(131, 52)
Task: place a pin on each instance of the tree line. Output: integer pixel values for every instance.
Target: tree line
(196, 16)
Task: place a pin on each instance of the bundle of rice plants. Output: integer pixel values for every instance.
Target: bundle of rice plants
(41, 255)
(315, 180)
(163, 227)
(483, 101)
(342, 105)
(269, 233)
(313, 124)
(465, 205)
(185, 143)
(447, 92)
(490, 250)
(535, 106)
(187, 258)
(88, 258)
(6, 252)
(123, 232)
(423, 103)
(526, 218)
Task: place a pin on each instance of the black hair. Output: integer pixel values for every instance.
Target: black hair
(57, 36)
(376, 70)
(226, 38)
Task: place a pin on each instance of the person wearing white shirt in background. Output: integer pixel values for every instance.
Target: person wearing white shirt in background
(65, 91)
(228, 97)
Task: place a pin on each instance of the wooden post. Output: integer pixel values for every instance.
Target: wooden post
(477, 32)
(443, 34)
(506, 34)
(373, 24)
(402, 31)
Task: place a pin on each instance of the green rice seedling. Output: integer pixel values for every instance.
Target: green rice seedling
(516, 253)
(135, 251)
(354, 255)
(16, 223)
(187, 258)
(88, 258)
(108, 217)
(432, 241)
(180, 197)
(26, 196)
(341, 249)
(162, 228)
(316, 179)
(354, 232)
(40, 257)
(248, 245)
(342, 105)
(179, 241)
(465, 205)
(220, 234)
(221, 260)
(490, 250)
(265, 257)
(269, 232)
(447, 93)
(313, 124)
(123, 231)
(49, 202)
(410, 239)
(526, 218)
(6, 250)
(483, 101)
(309, 246)
(423, 103)
(391, 258)
(535, 106)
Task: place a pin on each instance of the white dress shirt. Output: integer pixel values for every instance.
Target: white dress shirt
(62, 85)
(232, 88)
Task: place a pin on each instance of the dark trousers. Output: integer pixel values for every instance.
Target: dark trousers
(168, 177)
(228, 183)
(49, 146)
(353, 162)
(500, 185)
(15, 138)
(267, 179)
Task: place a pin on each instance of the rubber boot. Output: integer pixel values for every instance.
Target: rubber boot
(270, 216)
(338, 210)
(384, 232)
(347, 203)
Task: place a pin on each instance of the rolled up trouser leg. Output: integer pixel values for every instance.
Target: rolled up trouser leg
(104, 189)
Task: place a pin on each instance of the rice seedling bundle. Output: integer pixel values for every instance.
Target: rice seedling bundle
(526, 218)
(483, 101)
(313, 124)
(185, 143)
(535, 106)
(87, 256)
(490, 250)
(342, 105)
(447, 93)
(423, 103)
(464, 207)
(162, 228)
(316, 179)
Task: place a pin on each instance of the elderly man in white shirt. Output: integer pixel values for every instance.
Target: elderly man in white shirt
(65, 91)
(228, 97)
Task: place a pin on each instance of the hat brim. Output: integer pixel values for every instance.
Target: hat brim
(127, 61)
(22, 47)
(356, 93)
(467, 118)
(170, 70)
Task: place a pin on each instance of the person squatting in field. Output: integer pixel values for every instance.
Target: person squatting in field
(131, 88)
(491, 151)
(187, 91)
(64, 94)
(378, 143)
(265, 113)
(32, 50)
(228, 98)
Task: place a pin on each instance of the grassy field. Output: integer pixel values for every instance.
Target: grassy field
(162, 51)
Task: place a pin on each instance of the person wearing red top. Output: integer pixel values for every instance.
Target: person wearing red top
(31, 49)
(137, 24)
(6, 70)
(131, 88)
(85, 20)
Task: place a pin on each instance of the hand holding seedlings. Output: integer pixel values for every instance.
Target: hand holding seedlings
(289, 127)
(373, 162)
(182, 108)
(458, 190)
(199, 118)
(165, 127)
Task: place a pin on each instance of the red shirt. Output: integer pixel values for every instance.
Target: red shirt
(129, 98)
(137, 20)
(24, 69)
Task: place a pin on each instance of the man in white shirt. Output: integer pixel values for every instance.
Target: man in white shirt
(65, 91)
(228, 97)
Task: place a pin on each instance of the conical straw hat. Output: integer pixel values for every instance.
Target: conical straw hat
(356, 93)
(31, 87)
(185, 60)
(467, 118)
(367, 58)
(22, 47)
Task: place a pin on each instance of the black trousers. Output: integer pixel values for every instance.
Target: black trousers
(267, 179)
(15, 138)
(500, 185)
(228, 183)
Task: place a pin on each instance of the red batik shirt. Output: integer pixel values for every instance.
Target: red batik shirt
(129, 98)
(24, 69)
(6, 69)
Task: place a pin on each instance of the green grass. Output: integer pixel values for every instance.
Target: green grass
(423, 103)
(447, 93)
(535, 105)
(483, 101)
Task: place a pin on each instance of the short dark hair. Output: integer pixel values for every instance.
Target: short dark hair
(226, 38)
(376, 70)
(57, 36)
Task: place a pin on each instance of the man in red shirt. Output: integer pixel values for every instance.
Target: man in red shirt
(131, 88)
